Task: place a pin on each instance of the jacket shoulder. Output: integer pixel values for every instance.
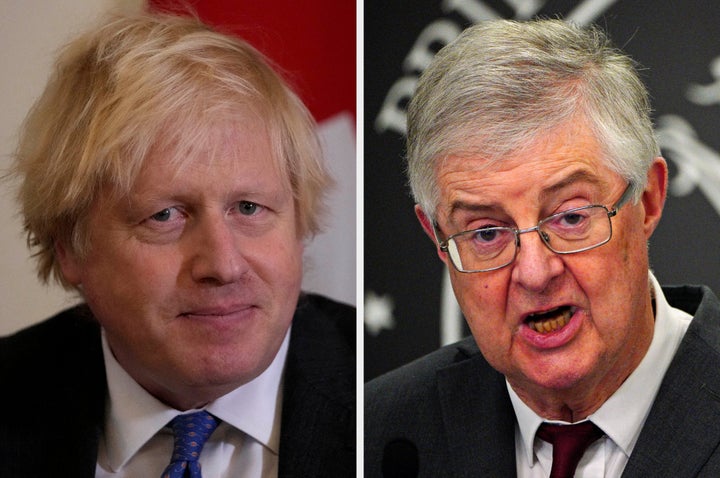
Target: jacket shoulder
(685, 415)
(704, 306)
(318, 430)
(416, 379)
(403, 413)
(70, 337)
(327, 317)
(56, 376)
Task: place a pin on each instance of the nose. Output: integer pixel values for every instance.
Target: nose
(535, 265)
(216, 254)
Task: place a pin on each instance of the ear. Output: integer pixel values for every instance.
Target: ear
(70, 265)
(653, 198)
(429, 228)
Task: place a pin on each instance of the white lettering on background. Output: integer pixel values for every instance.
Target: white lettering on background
(392, 115)
(698, 164)
(706, 95)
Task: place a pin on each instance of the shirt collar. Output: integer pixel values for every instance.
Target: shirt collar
(622, 416)
(256, 407)
(134, 416)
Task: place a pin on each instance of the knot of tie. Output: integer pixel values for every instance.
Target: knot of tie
(191, 431)
(569, 444)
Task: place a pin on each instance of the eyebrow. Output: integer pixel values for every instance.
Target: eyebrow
(580, 176)
(575, 177)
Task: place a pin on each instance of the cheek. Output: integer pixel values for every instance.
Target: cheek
(481, 287)
(277, 260)
(482, 298)
(484, 304)
(132, 277)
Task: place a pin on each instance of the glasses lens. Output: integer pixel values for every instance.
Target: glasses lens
(482, 249)
(576, 230)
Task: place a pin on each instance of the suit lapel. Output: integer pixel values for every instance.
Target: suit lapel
(318, 420)
(479, 419)
(677, 439)
(84, 398)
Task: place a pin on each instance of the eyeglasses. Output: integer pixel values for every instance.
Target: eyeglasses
(568, 232)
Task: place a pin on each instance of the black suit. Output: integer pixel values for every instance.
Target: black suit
(455, 410)
(54, 392)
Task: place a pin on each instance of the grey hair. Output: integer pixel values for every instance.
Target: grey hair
(501, 84)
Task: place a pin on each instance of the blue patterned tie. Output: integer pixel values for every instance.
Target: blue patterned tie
(191, 431)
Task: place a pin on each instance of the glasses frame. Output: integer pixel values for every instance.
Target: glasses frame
(612, 212)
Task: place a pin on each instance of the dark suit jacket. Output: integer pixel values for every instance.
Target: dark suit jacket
(53, 394)
(455, 410)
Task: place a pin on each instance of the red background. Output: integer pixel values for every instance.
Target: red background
(312, 42)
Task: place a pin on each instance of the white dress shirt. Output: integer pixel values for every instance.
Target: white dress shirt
(621, 417)
(137, 443)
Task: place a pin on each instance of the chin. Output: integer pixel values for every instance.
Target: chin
(560, 380)
(230, 369)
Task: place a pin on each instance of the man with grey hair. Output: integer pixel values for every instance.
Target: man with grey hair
(535, 169)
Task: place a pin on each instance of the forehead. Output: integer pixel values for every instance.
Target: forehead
(240, 145)
(569, 154)
(225, 159)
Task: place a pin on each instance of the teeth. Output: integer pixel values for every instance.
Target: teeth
(551, 324)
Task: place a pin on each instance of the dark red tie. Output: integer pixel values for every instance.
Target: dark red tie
(569, 443)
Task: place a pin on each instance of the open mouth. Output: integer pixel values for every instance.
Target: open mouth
(550, 320)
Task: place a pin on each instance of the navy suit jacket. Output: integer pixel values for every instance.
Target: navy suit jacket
(53, 394)
(449, 413)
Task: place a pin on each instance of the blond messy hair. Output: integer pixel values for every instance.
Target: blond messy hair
(140, 83)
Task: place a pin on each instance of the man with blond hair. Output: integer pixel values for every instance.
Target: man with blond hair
(169, 176)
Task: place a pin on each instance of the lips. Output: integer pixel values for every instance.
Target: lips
(217, 311)
(551, 320)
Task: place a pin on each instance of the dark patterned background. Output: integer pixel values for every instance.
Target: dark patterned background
(677, 43)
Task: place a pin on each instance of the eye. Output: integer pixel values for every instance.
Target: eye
(248, 208)
(486, 242)
(486, 235)
(491, 238)
(572, 219)
(164, 225)
(163, 216)
(574, 222)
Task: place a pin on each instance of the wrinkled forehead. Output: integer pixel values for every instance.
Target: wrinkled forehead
(492, 151)
(568, 151)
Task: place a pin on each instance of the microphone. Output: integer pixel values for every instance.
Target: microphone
(400, 459)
